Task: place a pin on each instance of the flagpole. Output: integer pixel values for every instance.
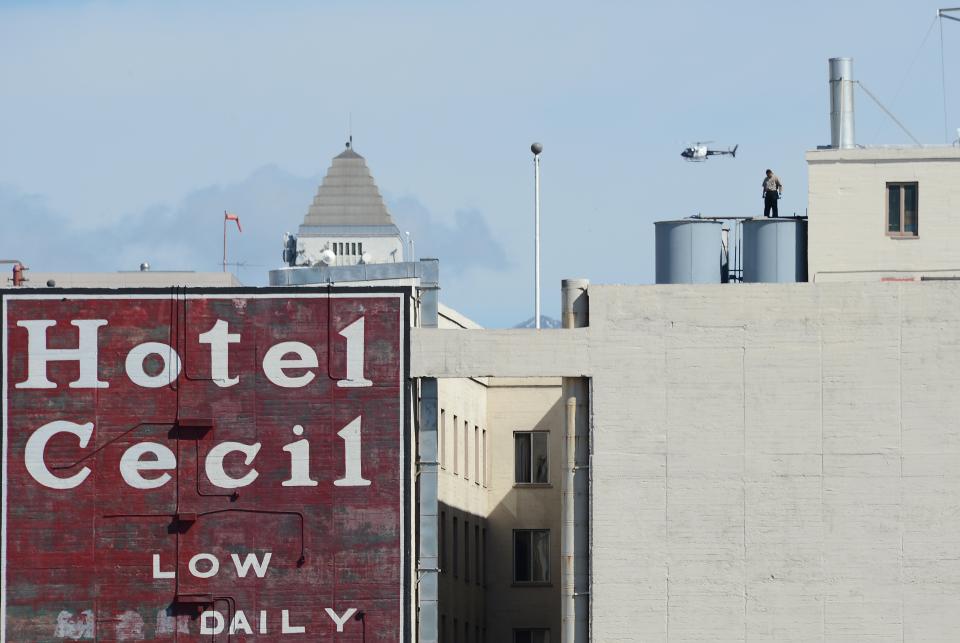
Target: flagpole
(224, 240)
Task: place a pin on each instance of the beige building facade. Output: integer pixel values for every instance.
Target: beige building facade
(767, 462)
(484, 511)
(884, 213)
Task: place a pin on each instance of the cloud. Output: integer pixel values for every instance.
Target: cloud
(466, 244)
(189, 235)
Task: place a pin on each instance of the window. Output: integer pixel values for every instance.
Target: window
(456, 548)
(531, 556)
(484, 546)
(476, 553)
(902, 210)
(466, 450)
(531, 636)
(442, 542)
(456, 446)
(483, 458)
(360, 248)
(476, 454)
(530, 457)
(466, 551)
(443, 438)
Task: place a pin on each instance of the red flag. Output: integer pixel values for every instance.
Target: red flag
(232, 217)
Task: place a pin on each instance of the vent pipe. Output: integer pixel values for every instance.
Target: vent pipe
(841, 103)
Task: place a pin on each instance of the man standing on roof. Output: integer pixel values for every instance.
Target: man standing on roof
(772, 189)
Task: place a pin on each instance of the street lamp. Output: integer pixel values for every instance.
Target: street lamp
(536, 148)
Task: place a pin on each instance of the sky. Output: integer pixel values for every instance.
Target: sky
(126, 129)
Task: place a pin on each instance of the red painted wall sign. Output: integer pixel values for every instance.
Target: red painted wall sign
(204, 467)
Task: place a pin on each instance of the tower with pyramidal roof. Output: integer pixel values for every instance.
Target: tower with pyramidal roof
(347, 223)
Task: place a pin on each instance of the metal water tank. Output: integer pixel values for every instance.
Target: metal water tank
(688, 251)
(775, 250)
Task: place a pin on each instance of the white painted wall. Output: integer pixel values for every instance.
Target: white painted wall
(847, 209)
(381, 249)
(770, 462)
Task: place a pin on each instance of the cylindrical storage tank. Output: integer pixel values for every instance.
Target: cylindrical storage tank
(775, 250)
(688, 251)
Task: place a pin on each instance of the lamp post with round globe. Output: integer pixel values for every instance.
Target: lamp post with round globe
(536, 148)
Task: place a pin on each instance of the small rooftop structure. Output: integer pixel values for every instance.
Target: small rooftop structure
(130, 279)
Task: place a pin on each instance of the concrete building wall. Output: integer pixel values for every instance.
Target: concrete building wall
(463, 497)
(847, 209)
(476, 486)
(769, 462)
(462, 494)
(522, 404)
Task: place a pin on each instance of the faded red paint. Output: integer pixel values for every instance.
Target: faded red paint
(89, 550)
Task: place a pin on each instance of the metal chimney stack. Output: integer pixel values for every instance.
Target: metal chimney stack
(841, 103)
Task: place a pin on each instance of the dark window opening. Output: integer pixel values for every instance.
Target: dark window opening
(531, 556)
(531, 464)
(903, 215)
(531, 636)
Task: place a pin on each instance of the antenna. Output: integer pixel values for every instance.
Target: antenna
(941, 14)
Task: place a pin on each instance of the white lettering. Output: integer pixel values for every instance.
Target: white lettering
(355, 340)
(38, 354)
(131, 464)
(299, 462)
(33, 455)
(156, 569)
(214, 464)
(205, 627)
(219, 337)
(341, 620)
(259, 566)
(262, 621)
(275, 361)
(167, 375)
(210, 558)
(240, 623)
(351, 456)
(286, 628)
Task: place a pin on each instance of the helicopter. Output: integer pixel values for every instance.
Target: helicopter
(699, 152)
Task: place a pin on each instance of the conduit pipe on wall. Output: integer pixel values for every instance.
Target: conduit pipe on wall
(575, 531)
(427, 581)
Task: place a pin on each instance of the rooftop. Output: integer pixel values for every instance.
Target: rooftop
(886, 153)
(347, 196)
